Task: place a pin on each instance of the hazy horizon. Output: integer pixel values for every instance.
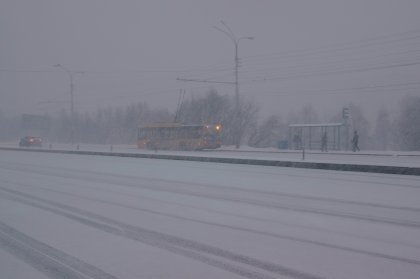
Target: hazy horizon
(324, 53)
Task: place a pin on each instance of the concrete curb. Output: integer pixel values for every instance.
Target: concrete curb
(257, 162)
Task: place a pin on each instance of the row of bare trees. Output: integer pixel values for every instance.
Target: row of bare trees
(392, 130)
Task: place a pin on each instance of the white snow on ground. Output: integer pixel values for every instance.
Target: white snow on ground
(72, 216)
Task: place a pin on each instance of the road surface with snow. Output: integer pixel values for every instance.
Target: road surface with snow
(73, 216)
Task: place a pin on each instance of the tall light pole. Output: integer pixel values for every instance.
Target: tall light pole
(229, 33)
(70, 74)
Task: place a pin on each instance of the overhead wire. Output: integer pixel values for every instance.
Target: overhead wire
(329, 66)
(331, 52)
(399, 87)
(329, 60)
(347, 71)
(337, 47)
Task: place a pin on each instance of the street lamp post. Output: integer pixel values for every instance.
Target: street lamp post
(236, 42)
(229, 33)
(70, 74)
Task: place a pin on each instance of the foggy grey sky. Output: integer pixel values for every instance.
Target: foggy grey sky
(324, 52)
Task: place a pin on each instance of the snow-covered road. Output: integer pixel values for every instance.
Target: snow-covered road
(72, 216)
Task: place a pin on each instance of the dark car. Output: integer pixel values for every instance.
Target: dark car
(30, 142)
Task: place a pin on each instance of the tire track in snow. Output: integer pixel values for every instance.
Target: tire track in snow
(240, 216)
(237, 228)
(46, 259)
(242, 229)
(193, 191)
(208, 254)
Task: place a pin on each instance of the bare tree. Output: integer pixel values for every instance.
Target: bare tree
(212, 108)
(240, 125)
(268, 133)
(383, 130)
(306, 115)
(409, 123)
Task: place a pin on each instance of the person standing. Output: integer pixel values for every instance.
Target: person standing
(355, 141)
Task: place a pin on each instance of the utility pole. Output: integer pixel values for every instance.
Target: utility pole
(346, 115)
(229, 33)
(70, 74)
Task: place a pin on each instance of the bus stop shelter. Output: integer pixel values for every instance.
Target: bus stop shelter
(309, 136)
